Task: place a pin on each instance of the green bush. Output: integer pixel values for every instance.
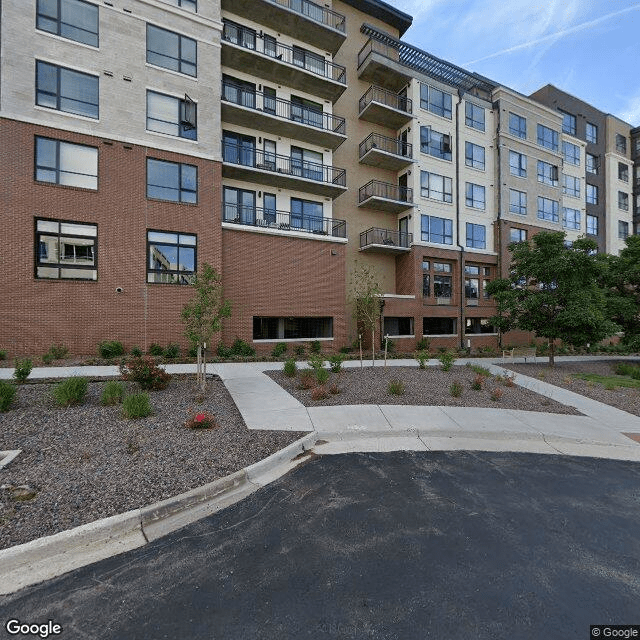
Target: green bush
(290, 368)
(7, 394)
(391, 346)
(481, 371)
(422, 357)
(136, 405)
(136, 352)
(346, 349)
(239, 348)
(193, 350)
(335, 362)
(299, 350)
(58, 351)
(155, 349)
(396, 387)
(172, 351)
(279, 350)
(322, 375)
(112, 393)
(455, 389)
(145, 372)
(22, 369)
(316, 362)
(222, 351)
(423, 344)
(626, 369)
(477, 383)
(110, 349)
(447, 358)
(315, 346)
(47, 358)
(3, 354)
(70, 391)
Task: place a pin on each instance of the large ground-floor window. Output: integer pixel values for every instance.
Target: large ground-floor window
(398, 326)
(289, 328)
(479, 325)
(439, 326)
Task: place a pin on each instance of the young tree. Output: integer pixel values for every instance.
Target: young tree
(553, 291)
(203, 314)
(366, 298)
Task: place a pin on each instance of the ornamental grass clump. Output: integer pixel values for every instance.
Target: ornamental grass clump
(137, 405)
(7, 394)
(422, 357)
(71, 391)
(496, 394)
(307, 380)
(396, 387)
(322, 375)
(279, 350)
(447, 358)
(172, 351)
(319, 393)
(22, 370)
(477, 383)
(455, 389)
(113, 393)
(335, 362)
(145, 372)
(201, 420)
(110, 349)
(290, 368)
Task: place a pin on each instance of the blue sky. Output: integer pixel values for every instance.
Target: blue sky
(589, 48)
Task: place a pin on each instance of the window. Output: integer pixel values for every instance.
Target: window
(435, 186)
(171, 257)
(237, 34)
(63, 163)
(568, 123)
(171, 51)
(478, 325)
(547, 173)
(471, 288)
(439, 326)
(239, 205)
(623, 230)
(548, 138)
(172, 181)
(474, 116)
(476, 236)
(571, 153)
(570, 218)
(517, 235)
(474, 155)
(306, 163)
(398, 326)
(436, 101)
(426, 279)
(239, 91)
(591, 133)
(268, 328)
(190, 5)
(66, 250)
(66, 90)
(435, 144)
(306, 111)
(517, 202)
(623, 201)
(475, 196)
(72, 19)
(173, 116)
(518, 126)
(571, 186)
(592, 225)
(547, 209)
(593, 163)
(623, 172)
(437, 230)
(269, 208)
(238, 149)
(517, 164)
(592, 194)
(303, 58)
(621, 143)
(306, 214)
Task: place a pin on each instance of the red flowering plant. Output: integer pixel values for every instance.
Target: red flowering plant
(201, 420)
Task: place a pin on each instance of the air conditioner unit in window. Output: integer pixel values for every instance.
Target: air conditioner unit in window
(188, 113)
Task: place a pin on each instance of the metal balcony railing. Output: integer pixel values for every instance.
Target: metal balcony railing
(283, 220)
(240, 95)
(386, 97)
(296, 56)
(385, 237)
(389, 145)
(377, 189)
(314, 12)
(248, 156)
(376, 46)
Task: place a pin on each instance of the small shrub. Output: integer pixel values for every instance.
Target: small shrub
(423, 344)
(222, 351)
(136, 405)
(307, 380)
(279, 350)
(334, 389)
(626, 369)
(391, 346)
(70, 391)
(509, 380)
(242, 349)
(299, 350)
(322, 375)
(3, 354)
(396, 387)
(110, 349)
(315, 346)
(136, 352)
(447, 358)
(155, 349)
(455, 389)
(172, 351)
(201, 420)
(345, 349)
(335, 362)
(319, 393)
(112, 393)
(422, 357)
(316, 362)
(7, 394)
(193, 350)
(541, 376)
(47, 358)
(496, 394)
(58, 351)
(290, 368)
(145, 372)
(23, 368)
(477, 383)
(481, 371)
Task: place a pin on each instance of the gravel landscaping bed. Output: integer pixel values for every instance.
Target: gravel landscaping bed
(84, 463)
(561, 376)
(430, 386)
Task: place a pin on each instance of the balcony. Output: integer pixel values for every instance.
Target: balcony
(380, 64)
(241, 162)
(262, 112)
(386, 153)
(385, 241)
(385, 197)
(304, 20)
(245, 50)
(283, 221)
(386, 108)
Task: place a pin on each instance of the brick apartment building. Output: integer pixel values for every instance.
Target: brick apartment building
(284, 142)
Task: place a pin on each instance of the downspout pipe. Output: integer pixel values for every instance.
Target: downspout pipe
(498, 183)
(458, 239)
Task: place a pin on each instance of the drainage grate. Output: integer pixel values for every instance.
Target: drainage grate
(7, 456)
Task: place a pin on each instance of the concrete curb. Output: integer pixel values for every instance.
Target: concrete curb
(33, 562)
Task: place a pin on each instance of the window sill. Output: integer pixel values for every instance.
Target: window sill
(168, 136)
(69, 40)
(268, 340)
(187, 204)
(179, 74)
(76, 116)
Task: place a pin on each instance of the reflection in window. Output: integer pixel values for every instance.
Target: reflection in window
(67, 164)
(172, 181)
(73, 19)
(171, 257)
(66, 90)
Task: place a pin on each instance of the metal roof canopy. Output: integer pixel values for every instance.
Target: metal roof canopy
(424, 62)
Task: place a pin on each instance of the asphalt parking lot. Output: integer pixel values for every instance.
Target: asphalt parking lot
(387, 546)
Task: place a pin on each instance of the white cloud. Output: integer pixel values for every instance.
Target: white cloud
(631, 113)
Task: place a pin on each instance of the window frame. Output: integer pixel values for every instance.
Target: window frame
(592, 163)
(519, 168)
(623, 172)
(180, 188)
(172, 272)
(426, 103)
(180, 59)
(572, 158)
(471, 116)
(470, 149)
(520, 206)
(591, 133)
(592, 194)
(479, 242)
(41, 16)
(623, 201)
(185, 127)
(548, 173)
(58, 168)
(576, 218)
(623, 229)
(259, 323)
(591, 224)
(447, 229)
(447, 196)
(519, 131)
(548, 138)
(471, 190)
(571, 120)
(520, 233)
(548, 216)
(434, 143)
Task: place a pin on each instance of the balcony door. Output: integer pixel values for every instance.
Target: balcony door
(306, 111)
(239, 205)
(403, 232)
(306, 164)
(306, 214)
(238, 149)
(239, 92)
